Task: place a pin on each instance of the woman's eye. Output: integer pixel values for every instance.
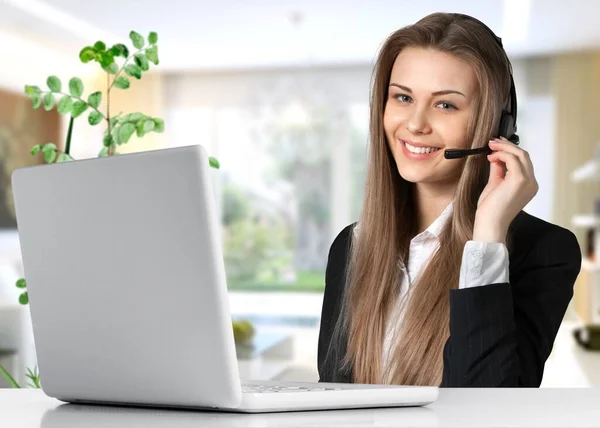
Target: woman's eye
(447, 106)
(402, 98)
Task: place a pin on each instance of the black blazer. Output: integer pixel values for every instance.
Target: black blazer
(500, 334)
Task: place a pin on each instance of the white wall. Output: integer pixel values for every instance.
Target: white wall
(535, 122)
(538, 138)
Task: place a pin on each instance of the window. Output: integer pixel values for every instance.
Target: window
(291, 177)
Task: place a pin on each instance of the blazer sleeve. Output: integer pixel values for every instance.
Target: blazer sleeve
(502, 334)
(328, 359)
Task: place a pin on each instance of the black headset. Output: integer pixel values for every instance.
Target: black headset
(508, 119)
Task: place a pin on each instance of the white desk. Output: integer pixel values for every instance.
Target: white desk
(454, 408)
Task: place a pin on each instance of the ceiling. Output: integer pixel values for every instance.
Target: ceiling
(231, 34)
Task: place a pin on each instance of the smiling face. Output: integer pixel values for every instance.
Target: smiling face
(430, 100)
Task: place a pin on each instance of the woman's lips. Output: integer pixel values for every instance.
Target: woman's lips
(417, 156)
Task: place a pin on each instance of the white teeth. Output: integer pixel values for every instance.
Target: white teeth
(420, 149)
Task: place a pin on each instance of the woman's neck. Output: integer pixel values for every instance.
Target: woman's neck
(431, 201)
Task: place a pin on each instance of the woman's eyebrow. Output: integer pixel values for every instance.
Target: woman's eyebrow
(444, 92)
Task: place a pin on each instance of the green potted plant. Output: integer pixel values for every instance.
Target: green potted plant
(120, 63)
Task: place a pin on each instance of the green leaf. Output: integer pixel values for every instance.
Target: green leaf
(31, 91)
(34, 377)
(11, 381)
(48, 101)
(65, 105)
(125, 132)
(152, 38)
(37, 101)
(49, 155)
(115, 138)
(133, 117)
(63, 157)
(87, 54)
(141, 61)
(24, 298)
(95, 118)
(139, 127)
(35, 149)
(213, 162)
(78, 108)
(152, 54)
(103, 153)
(120, 50)
(122, 82)
(99, 46)
(137, 39)
(106, 59)
(133, 70)
(148, 126)
(95, 99)
(21, 283)
(76, 87)
(159, 124)
(108, 140)
(113, 68)
(49, 146)
(54, 84)
(113, 121)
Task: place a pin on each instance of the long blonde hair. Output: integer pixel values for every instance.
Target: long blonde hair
(388, 219)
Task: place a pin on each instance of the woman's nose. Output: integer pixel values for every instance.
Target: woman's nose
(417, 122)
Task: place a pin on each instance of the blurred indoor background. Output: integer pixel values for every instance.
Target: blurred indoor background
(278, 92)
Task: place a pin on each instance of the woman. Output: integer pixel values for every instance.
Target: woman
(444, 280)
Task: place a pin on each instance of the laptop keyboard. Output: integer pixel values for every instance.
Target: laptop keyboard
(275, 388)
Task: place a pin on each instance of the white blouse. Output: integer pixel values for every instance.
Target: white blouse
(482, 263)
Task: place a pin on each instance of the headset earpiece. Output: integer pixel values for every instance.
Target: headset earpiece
(508, 123)
(507, 127)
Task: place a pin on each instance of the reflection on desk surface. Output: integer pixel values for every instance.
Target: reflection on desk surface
(97, 416)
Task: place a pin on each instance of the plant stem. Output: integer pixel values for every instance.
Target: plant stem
(13, 383)
(110, 148)
(69, 134)
(75, 98)
(122, 67)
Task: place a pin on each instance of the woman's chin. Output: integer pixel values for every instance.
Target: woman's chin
(416, 174)
(416, 177)
(434, 173)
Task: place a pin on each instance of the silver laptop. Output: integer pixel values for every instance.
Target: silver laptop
(128, 294)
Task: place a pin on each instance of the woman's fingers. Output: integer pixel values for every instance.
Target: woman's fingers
(515, 168)
(522, 155)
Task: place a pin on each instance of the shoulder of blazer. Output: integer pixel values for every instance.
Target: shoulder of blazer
(340, 247)
(335, 275)
(337, 262)
(539, 242)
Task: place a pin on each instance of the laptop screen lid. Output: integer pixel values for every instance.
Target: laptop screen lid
(123, 261)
